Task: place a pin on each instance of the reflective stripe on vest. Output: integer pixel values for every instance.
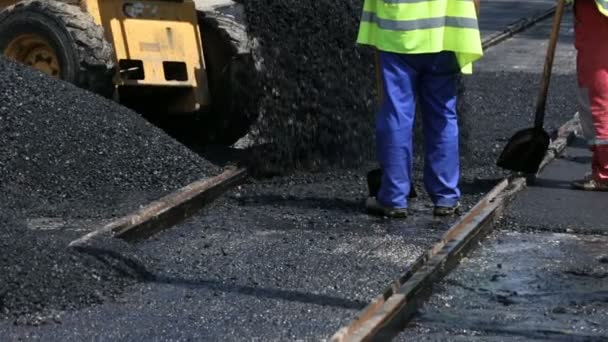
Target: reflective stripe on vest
(423, 26)
(602, 5)
(419, 24)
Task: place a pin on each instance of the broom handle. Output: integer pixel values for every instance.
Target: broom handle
(544, 87)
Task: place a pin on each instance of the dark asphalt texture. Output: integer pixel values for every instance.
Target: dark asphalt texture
(291, 256)
(319, 87)
(550, 204)
(70, 161)
(521, 287)
(71, 153)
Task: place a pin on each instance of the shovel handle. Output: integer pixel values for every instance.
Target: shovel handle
(544, 86)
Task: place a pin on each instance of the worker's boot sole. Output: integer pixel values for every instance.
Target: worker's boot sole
(375, 208)
(589, 185)
(447, 211)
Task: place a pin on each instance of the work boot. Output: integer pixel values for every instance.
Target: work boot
(447, 211)
(376, 208)
(589, 184)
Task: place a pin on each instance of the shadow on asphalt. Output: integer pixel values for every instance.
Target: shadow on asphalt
(577, 143)
(291, 296)
(326, 203)
(478, 186)
(551, 184)
(224, 155)
(578, 159)
(133, 269)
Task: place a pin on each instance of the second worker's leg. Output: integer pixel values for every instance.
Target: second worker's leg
(438, 97)
(592, 72)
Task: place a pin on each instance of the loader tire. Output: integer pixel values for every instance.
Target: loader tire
(232, 69)
(59, 39)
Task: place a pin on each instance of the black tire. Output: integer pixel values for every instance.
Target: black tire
(232, 72)
(85, 57)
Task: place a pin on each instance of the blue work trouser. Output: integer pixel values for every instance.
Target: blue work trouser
(433, 79)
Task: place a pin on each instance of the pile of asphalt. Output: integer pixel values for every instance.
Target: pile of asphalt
(69, 156)
(66, 151)
(319, 88)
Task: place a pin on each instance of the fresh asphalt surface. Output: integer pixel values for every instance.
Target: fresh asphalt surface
(288, 257)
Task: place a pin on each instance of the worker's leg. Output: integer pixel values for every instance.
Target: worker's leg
(585, 116)
(438, 90)
(599, 107)
(592, 70)
(394, 129)
(598, 94)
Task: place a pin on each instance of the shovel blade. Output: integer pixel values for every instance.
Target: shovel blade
(525, 151)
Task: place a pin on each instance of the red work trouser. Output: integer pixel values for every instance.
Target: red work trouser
(591, 28)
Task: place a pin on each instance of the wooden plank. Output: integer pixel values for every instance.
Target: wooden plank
(388, 313)
(168, 210)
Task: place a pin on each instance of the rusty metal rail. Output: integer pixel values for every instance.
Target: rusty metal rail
(388, 313)
(168, 210)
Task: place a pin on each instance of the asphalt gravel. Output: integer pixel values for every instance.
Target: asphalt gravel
(69, 152)
(41, 277)
(71, 160)
(319, 89)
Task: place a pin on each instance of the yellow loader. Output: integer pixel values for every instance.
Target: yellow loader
(176, 57)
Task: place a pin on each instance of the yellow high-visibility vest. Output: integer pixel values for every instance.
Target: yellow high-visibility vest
(423, 26)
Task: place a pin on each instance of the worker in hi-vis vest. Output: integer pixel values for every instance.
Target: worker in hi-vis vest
(422, 46)
(591, 41)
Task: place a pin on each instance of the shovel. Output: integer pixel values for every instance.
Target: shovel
(527, 148)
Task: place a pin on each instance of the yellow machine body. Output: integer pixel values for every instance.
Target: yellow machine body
(163, 38)
(157, 48)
